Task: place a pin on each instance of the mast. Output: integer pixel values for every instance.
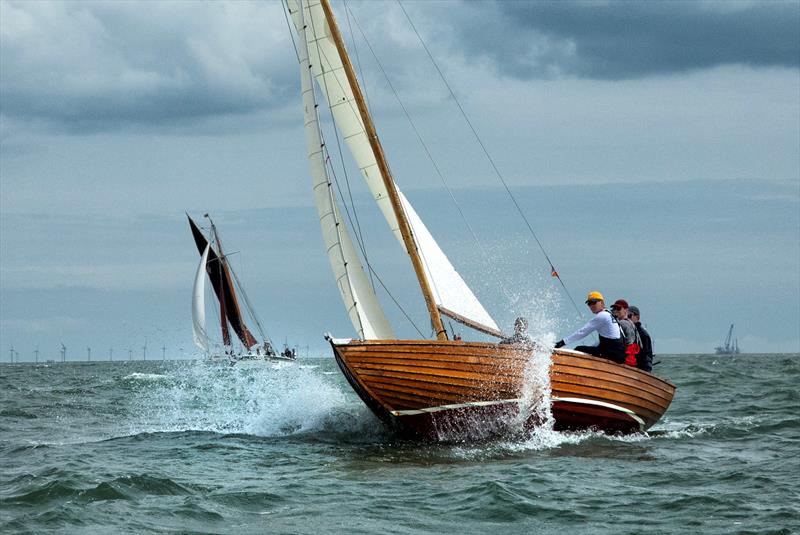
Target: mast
(223, 311)
(383, 167)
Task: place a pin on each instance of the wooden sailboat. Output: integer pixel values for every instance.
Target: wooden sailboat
(437, 388)
(215, 266)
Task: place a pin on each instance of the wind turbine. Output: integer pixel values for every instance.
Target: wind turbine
(11, 352)
(144, 350)
(130, 354)
(163, 352)
(36, 353)
(63, 352)
(89, 353)
(111, 354)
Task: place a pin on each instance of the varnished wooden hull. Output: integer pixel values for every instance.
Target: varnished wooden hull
(454, 390)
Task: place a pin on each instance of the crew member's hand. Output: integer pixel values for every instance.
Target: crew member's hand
(560, 343)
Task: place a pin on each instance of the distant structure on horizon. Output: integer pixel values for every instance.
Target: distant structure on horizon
(730, 346)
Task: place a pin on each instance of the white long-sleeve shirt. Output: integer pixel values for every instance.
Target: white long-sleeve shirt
(602, 323)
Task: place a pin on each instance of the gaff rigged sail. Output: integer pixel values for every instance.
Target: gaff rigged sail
(217, 269)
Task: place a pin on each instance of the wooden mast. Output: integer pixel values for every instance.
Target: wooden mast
(383, 167)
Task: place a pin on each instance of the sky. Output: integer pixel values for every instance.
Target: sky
(654, 147)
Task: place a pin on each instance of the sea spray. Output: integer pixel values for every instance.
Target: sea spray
(249, 398)
(535, 402)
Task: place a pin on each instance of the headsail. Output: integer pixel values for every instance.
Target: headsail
(452, 295)
(362, 305)
(198, 304)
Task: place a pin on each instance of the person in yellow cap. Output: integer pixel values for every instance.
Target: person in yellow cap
(612, 344)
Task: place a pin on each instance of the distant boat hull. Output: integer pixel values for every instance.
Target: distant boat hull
(454, 390)
(250, 357)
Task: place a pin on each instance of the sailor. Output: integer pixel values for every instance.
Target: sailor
(632, 341)
(644, 360)
(611, 345)
(520, 335)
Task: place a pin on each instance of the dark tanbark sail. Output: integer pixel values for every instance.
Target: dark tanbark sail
(220, 277)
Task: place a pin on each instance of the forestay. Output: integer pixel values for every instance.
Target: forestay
(199, 305)
(362, 305)
(451, 293)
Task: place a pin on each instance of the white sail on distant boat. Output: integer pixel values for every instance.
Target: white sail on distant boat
(199, 305)
(214, 265)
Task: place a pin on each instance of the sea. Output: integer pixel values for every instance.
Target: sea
(181, 446)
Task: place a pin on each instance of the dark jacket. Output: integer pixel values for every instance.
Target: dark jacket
(644, 360)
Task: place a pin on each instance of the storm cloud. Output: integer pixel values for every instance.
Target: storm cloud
(92, 66)
(623, 40)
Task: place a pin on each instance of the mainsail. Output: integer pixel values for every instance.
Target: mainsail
(217, 269)
(199, 305)
(362, 305)
(452, 295)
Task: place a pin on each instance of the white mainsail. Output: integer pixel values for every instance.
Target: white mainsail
(451, 293)
(199, 306)
(362, 305)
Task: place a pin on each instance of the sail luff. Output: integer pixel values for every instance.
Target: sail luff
(383, 167)
(362, 305)
(198, 304)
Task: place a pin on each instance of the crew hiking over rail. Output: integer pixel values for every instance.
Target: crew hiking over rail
(612, 343)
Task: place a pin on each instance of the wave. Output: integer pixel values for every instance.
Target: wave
(17, 413)
(254, 400)
(137, 376)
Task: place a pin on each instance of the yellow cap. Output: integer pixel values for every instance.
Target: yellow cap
(594, 296)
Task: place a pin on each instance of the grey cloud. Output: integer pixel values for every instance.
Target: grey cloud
(89, 65)
(623, 40)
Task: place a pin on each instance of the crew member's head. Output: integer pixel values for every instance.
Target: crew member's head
(633, 314)
(595, 301)
(620, 309)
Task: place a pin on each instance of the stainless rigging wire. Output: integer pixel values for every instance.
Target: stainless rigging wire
(553, 270)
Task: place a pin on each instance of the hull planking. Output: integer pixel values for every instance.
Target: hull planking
(455, 390)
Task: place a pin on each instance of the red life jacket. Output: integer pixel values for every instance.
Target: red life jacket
(630, 354)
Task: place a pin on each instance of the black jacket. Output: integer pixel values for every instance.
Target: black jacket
(644, 360)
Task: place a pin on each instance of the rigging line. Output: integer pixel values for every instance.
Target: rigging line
(324, 87)
(491, 161)
(372, 271)
(355, 50)
(484, 253)
(289, 25)
(399, 306)
(355, 225)
(249, 305)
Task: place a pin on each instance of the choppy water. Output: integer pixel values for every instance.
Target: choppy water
(180, 446)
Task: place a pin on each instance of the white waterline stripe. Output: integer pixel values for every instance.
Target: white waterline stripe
(606, 405)
(429, 410)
